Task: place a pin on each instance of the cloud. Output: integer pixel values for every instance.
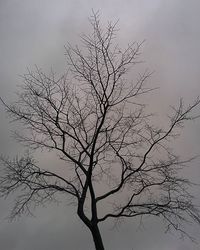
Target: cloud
(35, 32)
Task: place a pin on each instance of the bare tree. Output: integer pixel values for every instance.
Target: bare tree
(94, 118)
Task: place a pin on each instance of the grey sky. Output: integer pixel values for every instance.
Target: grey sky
(35, 32)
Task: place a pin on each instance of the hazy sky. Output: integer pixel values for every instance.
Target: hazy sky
(35, 32)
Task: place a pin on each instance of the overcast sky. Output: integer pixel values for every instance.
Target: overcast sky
(35, 32)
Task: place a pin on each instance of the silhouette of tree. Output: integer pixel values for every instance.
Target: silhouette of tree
(94, 118)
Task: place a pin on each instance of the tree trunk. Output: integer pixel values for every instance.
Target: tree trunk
(97, 238)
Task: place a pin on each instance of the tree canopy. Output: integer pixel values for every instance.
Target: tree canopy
(94, 117)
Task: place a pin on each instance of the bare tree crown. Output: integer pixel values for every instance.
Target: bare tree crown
(93, 118)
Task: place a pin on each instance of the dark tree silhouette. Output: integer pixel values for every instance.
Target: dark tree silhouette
(94, 118)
